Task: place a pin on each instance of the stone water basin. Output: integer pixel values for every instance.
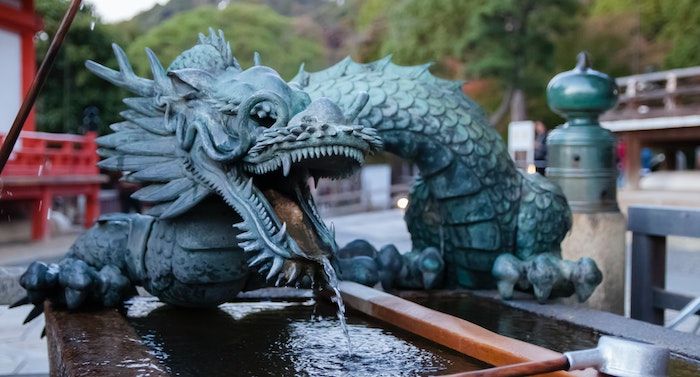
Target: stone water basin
(283, 338)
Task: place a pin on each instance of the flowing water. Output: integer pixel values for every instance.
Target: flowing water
(332, 279)
(290, 338)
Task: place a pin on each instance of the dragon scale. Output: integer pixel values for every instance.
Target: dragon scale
(469, 201)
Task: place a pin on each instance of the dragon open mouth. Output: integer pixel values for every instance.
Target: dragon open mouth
(291, 200)
(283, 169)
(284, 159)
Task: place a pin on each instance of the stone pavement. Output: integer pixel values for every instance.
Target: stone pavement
(23, 253)
(23, 353)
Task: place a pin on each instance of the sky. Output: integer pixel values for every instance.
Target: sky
(119, 10)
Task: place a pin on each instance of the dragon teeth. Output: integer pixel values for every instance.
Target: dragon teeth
(286, 164)
(285, 160)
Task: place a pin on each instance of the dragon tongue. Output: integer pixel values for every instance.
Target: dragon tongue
(299, 225)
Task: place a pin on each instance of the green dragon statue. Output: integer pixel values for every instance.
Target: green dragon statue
(225, 156)
(473, 216)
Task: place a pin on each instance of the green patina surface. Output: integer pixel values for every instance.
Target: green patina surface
(581, 157)
(475, 219)
(224, 156)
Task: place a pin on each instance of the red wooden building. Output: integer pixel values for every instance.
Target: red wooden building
(42, 166)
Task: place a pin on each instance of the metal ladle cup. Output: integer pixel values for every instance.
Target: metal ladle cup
(622, 358)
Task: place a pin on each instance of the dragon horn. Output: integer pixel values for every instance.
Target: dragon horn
(159, 74)
(125, 77)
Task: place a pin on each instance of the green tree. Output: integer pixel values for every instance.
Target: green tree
(670, 27)
(681, 33)
(420, 31)
(70, 88)
(514, 40)
(507, 42)
(614, 43)
(248, 27)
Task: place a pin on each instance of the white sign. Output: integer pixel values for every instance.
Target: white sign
(521, 142)
(10, 77)
(376, 185)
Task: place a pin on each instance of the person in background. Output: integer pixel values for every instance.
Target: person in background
(620, 151)
(540, 147)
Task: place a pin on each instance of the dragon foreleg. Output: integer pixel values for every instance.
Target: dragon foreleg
(101, 267)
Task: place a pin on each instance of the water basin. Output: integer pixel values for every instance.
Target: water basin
(546, 332)
(284, 339)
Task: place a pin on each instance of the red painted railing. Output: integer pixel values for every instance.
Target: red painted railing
(45, 165)
(46, 154)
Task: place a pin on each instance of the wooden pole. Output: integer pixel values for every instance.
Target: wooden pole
(38, 82)
(522, 369)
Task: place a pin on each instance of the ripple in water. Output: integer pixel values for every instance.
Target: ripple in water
(316, 349)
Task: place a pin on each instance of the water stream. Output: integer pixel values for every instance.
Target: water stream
(332, 279)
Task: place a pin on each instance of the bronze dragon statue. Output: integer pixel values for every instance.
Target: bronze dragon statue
(474, 218)
(225, 155)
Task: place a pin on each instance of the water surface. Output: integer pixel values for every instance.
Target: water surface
(550, 333)
(284, 339)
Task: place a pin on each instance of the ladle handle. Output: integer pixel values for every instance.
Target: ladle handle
(523, 369)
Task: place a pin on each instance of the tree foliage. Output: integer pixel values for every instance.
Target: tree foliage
(515, 39)
(670, 26)
(510, 42)
(495, 44)
(249, 28)
(70, 88)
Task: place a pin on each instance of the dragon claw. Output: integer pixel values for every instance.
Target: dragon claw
(72, 282)
(543, 273)
(548, 275)
(585, 276)
(35, 312)
(508, 271)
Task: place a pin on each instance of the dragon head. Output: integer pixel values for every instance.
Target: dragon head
(245, 135)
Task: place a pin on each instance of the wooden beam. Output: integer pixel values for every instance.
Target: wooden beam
(449, 331)
(648, 271)
(80, 341)
(670, 300)
(664, 221)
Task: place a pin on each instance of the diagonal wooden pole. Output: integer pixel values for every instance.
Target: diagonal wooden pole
(37, 83)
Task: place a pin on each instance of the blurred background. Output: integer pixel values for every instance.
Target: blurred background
(505, 51)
